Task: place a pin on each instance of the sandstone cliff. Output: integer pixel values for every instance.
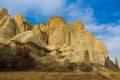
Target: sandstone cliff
(55, 45)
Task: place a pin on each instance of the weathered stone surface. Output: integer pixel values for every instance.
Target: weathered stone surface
(36, 29)
(77, 37)
(28, 37)
(39, 33)
(55, 45)
(22, 24)
(43, 27)
(3, 13)
(7, 28)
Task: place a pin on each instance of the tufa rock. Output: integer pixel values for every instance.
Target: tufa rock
(22, 24)
(56, 46)
(7, 29)
(43, 27)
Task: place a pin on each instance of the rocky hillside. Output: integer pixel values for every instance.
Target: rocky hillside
(53, 46)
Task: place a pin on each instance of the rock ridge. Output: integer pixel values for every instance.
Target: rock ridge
(57, 44)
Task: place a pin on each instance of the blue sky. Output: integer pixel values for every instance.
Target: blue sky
(99, 16)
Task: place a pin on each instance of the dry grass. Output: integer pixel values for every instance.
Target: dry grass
(114, 75)
(31, 75)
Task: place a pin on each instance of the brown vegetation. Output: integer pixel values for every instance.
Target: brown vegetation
(22, 60)
(19, 61)
(56, 76)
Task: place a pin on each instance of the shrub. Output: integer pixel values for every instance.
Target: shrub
(5, 58)
(22, 59)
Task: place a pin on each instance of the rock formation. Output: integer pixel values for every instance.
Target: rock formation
(22, 24)
(10, 27)
(55, 45)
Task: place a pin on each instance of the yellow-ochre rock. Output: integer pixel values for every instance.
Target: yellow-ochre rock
(22, 24)
(57, 44)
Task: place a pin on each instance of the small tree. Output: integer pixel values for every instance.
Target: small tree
(22, 59)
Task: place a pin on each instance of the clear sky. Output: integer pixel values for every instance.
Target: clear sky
(99, 16)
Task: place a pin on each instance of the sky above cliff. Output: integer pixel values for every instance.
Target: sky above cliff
(102, 17)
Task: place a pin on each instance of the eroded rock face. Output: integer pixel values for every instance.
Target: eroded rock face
(22, 24)
(7, 28)
(78, 38)
(43, 27)
(39, 33)
(58, 45)
(10, 27)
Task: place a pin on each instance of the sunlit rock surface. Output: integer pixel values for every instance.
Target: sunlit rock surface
(55, 45)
